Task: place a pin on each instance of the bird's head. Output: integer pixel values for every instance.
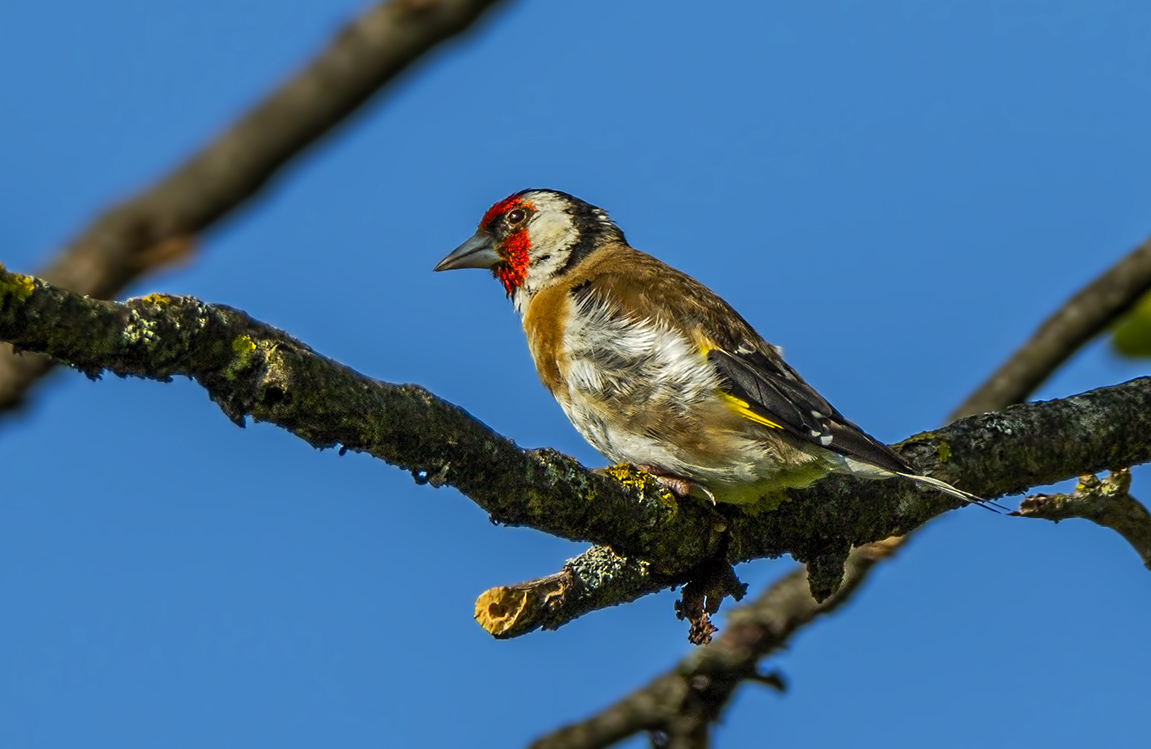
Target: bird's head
(532, 238)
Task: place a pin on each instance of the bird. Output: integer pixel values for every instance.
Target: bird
(656, 370)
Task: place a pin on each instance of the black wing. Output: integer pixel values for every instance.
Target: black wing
(776, 392)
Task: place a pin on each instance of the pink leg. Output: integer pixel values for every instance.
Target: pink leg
(678, 485)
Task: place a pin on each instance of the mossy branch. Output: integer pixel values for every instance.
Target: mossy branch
(251, 369)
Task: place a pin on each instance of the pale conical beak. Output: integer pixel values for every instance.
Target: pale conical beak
(477, 252)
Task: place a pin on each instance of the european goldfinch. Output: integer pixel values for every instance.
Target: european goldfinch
(654, 369)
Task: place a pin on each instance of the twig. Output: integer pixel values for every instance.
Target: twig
(158, 225)
(1105, 502)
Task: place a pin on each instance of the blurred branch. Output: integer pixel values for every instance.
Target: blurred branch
(682, 703)
(252, 369)
(1079, 320)
(156, 226)
(1105, 502)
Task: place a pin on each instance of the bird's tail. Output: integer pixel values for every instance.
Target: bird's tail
(947, 488)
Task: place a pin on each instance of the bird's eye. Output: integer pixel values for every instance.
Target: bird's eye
(517, 216)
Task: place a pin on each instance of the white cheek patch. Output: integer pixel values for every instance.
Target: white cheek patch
(551, 232)
(552, 235)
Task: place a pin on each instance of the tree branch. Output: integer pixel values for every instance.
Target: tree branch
(1106, 502)
(687, 699)
(1080, 319)
(252, 369)
(155, 226)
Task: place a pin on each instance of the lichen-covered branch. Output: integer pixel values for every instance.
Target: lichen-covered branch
(596, 579)
(150, 229)
(1076, 322)
(599, 578)
(253, 370)
(1106, 502)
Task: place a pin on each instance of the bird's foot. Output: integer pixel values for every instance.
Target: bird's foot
(677, 485)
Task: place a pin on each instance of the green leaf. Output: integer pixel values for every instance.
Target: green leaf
(1132, 335)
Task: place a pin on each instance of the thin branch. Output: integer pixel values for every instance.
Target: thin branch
(688, 698)
(157, 225)
(1106, 502)
(1080, 319)
(252, 369)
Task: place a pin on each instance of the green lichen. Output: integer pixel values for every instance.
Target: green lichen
(243, 347)
(943, 451)
(636, 480)
(139, 330)
(15, 285)
(628, 475)
(920, 437)
(769, 501)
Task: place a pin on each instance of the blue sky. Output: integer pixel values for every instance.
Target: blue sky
(896, 192)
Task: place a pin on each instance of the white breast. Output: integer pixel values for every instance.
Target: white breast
(619, 371)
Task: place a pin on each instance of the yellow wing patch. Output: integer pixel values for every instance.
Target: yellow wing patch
(741, 407)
